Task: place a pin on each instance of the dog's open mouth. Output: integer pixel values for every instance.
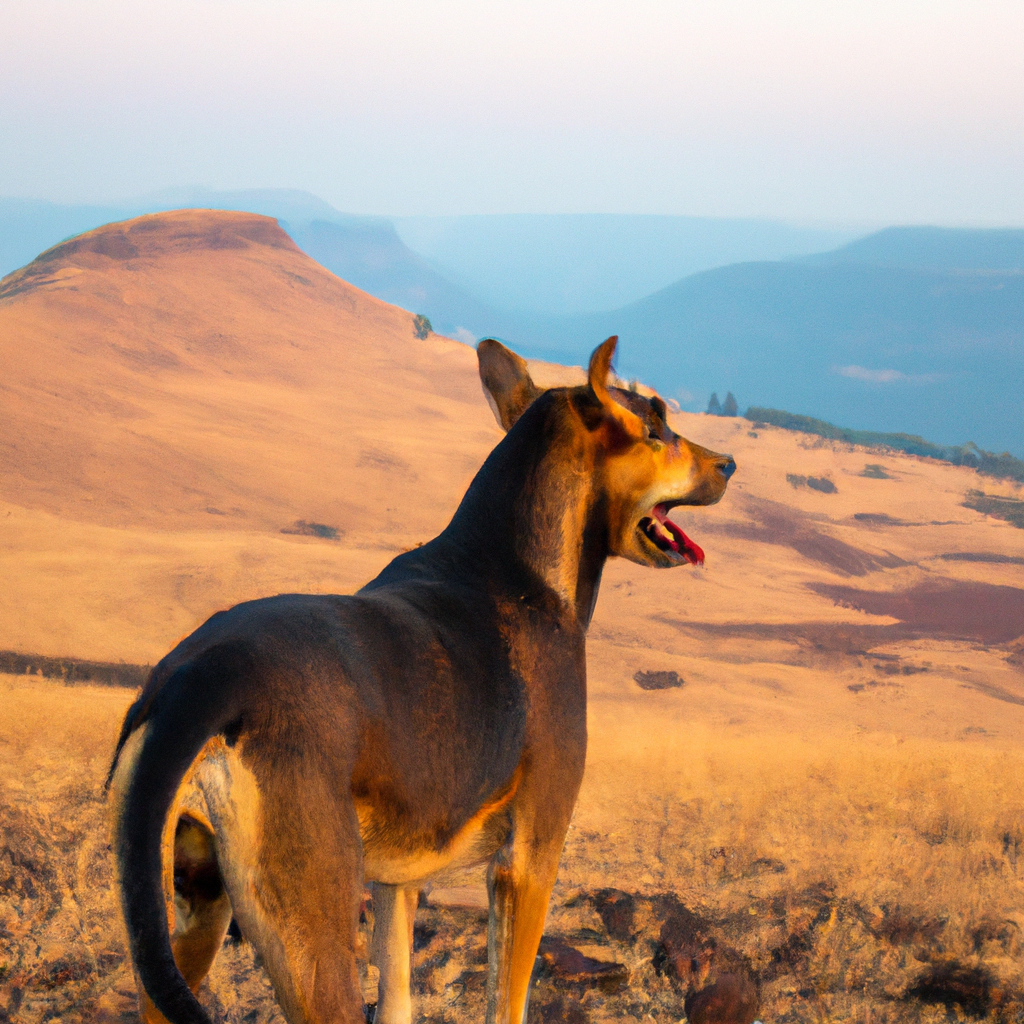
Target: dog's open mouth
(666, 536)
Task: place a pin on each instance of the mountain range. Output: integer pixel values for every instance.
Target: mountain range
(932, 351)
(911, 329)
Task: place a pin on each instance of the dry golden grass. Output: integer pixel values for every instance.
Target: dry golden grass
(839, 873)
(832, 792)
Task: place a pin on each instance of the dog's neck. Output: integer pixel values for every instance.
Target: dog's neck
(531, 522)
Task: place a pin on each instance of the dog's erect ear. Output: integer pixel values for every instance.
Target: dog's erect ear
(597, 377)
(506, 380)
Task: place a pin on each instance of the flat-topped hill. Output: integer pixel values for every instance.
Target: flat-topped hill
(197, 369)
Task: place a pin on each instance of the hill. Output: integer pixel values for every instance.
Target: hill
(929, 352)
(932, 248)
(27, 227)
(196, 413)
(147, 361)
(370, 254)
(910, 330)
(560, 264)
(365, 251)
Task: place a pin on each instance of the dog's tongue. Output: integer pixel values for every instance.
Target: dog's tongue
(678, 540)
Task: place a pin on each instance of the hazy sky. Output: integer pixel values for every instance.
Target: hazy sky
(834, 110)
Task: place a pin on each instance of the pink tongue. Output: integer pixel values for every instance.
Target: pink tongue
(690, 551)
(687, 548)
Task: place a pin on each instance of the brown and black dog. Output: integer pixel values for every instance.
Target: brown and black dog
(292, 747)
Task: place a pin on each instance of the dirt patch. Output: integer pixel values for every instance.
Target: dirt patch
(990, 557)
(954, 984)
(952, 609)
(380, 458)
(778, 524)
(812, 643)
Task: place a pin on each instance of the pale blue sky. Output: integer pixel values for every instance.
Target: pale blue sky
(861, 112)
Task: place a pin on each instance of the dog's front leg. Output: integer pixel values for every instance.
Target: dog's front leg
(394, 912)
(519, 882)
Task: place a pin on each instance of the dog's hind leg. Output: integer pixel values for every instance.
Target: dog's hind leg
(394, 913)
(292, 866)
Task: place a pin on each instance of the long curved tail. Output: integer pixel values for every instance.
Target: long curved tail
(197, 701)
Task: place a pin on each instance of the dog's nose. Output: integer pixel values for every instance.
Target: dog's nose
(727, 466)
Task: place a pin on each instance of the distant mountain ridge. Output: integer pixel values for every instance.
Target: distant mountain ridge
(931, 248)
(912, 330)
(934, 353)
(569, 264)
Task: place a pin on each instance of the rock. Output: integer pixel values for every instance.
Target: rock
(732, 999)
(685, 948)
(617, 910)
(563, 963)
(657, 680)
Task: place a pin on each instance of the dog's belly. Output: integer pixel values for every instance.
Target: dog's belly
(389, 861)
(396, 858)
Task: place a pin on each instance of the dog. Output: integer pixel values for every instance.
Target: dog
(292, 747)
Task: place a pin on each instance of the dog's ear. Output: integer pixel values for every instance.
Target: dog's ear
(597, 376)
(506, 380)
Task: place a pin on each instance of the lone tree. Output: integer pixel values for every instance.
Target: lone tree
(421, 326)
(714, 406)
(729, 406)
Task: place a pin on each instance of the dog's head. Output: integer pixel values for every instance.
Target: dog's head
(641, 468)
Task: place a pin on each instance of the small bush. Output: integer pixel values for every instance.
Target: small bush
(303, 529)
(815, 483)
(822, 484)
(422, 327)
(657, 680)
(873, 471)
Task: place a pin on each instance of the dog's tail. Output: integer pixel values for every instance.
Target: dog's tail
(197, 701)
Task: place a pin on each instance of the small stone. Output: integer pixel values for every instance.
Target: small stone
(563, 963)
(657, 680)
